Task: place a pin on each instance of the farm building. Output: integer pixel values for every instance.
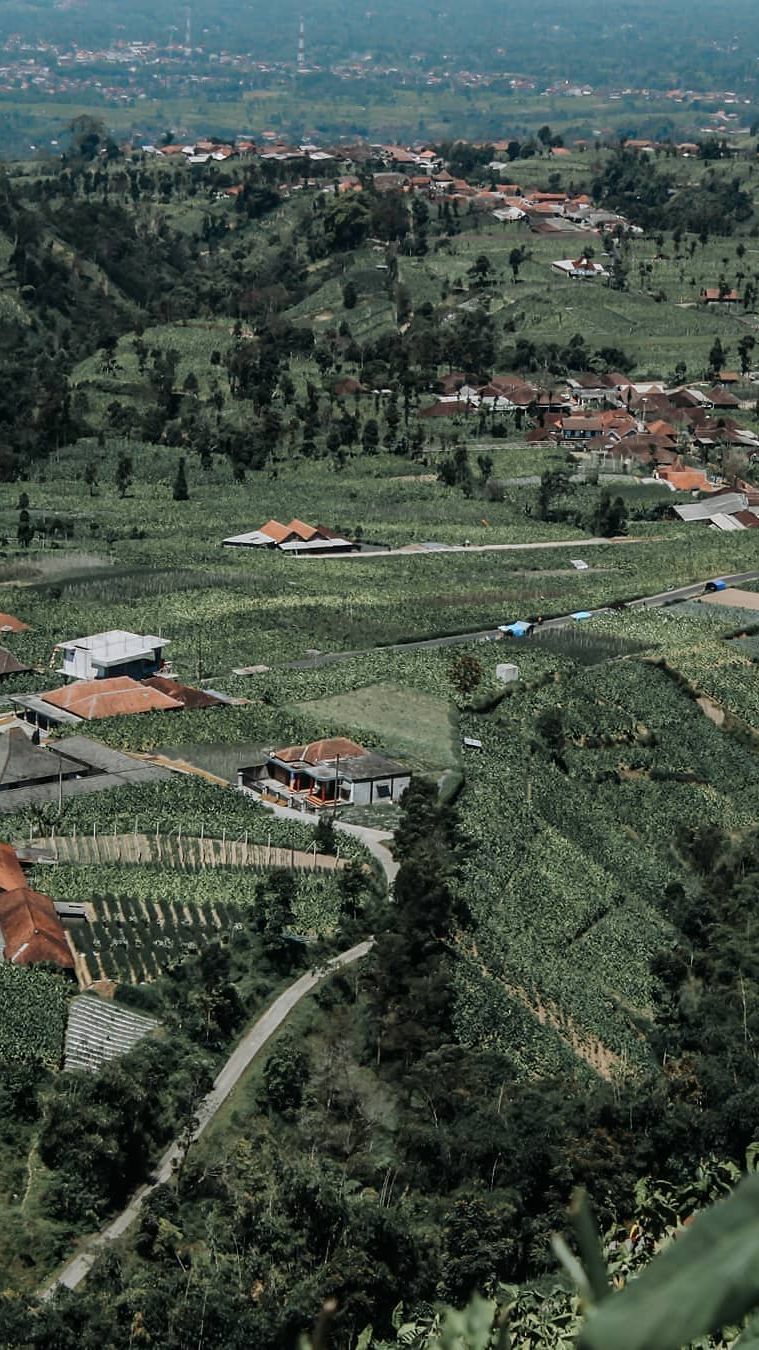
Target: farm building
(105, 655)
(329, 772)
(9, 665)
(185, 694)
(31, 775)
(580, 269)
(714, 510)
(21, 762)
(297, 537)
(89, 700)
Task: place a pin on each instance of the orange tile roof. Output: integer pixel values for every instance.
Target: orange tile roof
(320, 750)
(184, 693)
(32, 930)
(117, 697)
(300, 528)
(11, 871)
(10, 624)
(277, 531)
(687, 480)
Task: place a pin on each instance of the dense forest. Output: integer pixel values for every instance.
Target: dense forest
(387, 1163)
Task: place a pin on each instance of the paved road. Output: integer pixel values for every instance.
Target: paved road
(76, 1270)
(375, 840)
(491, 634)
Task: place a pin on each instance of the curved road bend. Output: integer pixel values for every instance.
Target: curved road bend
(78, 1267)
(376, 841)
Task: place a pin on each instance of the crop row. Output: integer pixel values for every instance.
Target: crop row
(572, 831)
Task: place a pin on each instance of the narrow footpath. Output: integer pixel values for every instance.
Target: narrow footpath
(71, 1275)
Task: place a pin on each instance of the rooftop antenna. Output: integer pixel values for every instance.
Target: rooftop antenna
(302, 45)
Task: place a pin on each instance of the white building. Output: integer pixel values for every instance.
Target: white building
(580, 269)
(103, 655)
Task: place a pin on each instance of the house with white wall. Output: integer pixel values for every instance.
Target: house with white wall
(105, 655)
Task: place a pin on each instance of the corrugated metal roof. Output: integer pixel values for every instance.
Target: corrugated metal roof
(23, 762)
(36, 704)
(9, 665)
(725, 504)
(18, 799)
(726, 523)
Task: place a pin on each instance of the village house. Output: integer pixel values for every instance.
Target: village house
(580, 428)
(719, 295)
(580, 269)
(10, 624)
(327, 773)
(117, 652)
(296, 537)
(31, 775)
(90, 700)
(10, 665)
(30, 930)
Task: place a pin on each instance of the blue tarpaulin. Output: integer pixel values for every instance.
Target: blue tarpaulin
(519, 629)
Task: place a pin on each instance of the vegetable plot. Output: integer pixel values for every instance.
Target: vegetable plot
(32, 1015)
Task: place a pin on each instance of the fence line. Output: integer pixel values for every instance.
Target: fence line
(189, 854)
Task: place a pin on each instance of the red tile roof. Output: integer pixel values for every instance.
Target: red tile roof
(185, 693)
(31, 929)
(279, 532)
(275, 530)
(320, 750)
(11, 871)
(301, 529)
(10, 624)
(118, 697)
(686, 480)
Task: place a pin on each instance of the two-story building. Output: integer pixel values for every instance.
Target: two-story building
(104, 655)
